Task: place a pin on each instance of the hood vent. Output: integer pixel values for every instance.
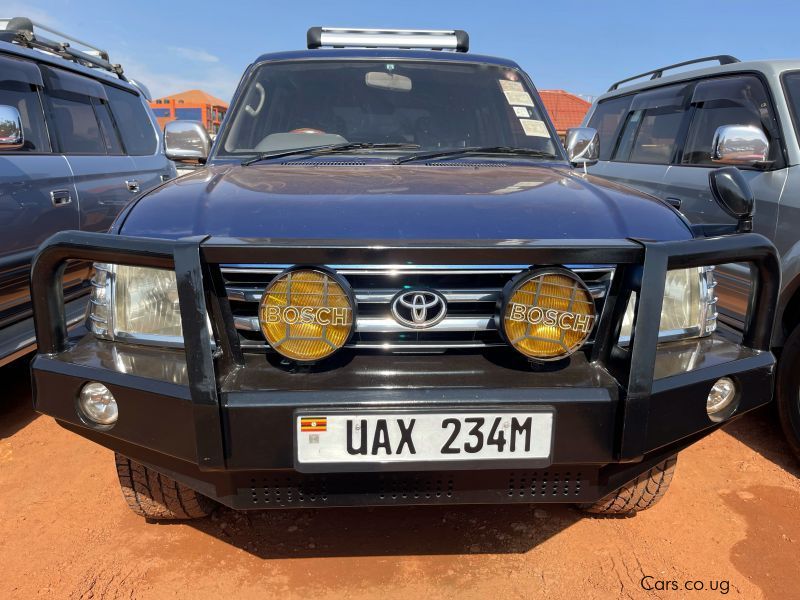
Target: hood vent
(329, 163)
(450, 163)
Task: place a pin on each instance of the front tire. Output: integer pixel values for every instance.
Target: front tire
(155, 496)
(638, 495)
(787, 396)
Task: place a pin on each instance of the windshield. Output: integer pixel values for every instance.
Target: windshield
(432, 105)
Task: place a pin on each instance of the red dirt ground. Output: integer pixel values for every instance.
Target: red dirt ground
(731, 520)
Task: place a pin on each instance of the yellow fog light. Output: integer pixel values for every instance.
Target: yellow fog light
(547, 313)
(306, 314)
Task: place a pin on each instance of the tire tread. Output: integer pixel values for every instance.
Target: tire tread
(155, 496)
(637, 495)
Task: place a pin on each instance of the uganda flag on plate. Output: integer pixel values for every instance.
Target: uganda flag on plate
(313, 424)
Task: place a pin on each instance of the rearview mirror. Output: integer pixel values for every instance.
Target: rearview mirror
(388, 81)
(734, 195)
(744, 145)
(11, 135)
(186, 141)
(583, 146)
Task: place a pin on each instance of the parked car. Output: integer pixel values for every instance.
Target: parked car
(77, 143)
(665, 136)
(391, 284)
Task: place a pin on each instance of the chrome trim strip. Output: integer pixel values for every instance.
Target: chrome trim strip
(389, 325)
(455, 345)
(409, 269)
(400, 346)
(384, 296)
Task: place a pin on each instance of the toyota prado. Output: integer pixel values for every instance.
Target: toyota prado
(391, 284)
(77, 143)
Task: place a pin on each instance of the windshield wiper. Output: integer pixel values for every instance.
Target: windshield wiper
(327, 149)
(456, 152)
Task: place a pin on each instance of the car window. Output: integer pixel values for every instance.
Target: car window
(724, 101)
(138, 135)
(606, 119)
(791, 84)
(76, 124)
(25, 98)
(655, 141)
(107, 127)
(651, 130)
(436, 104)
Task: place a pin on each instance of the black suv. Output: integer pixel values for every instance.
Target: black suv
(392, 285)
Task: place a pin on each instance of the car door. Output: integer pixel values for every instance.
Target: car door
(105, 177)
(646, 142)
(37, 194)
(140, 137)
(718, 101)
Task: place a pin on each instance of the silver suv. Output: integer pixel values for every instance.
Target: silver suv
(77, 143)
(666, 134)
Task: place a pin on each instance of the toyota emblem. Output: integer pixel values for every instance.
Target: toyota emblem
(419, 308)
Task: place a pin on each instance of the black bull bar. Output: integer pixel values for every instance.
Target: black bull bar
(641, 268)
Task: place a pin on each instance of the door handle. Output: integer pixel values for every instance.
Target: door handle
(60, 197)
(132, 185)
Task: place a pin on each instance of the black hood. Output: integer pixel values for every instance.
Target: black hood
(370, 202)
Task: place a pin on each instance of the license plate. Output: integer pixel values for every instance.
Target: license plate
(325, 438)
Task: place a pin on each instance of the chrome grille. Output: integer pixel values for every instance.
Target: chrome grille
(472, 294)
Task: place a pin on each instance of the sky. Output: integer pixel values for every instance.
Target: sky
(581, 47)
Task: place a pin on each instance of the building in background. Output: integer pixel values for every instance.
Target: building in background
(566, 110)
(194, 105)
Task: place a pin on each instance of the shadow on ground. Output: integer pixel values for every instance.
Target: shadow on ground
(16, 407)
(761, 431)
(389, 531)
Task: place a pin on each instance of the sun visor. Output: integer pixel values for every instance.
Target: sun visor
(672, 96)
(725, 88)
(24, 71)
(62, 81)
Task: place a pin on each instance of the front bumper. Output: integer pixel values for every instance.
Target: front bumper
(221, 421)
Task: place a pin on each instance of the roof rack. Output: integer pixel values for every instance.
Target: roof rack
(23, 31)
(433, 39)
(724, 59)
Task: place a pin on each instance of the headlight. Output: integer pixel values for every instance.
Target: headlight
(138, 304)
(689, 307)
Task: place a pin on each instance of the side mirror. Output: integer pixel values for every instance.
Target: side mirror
(734, 196)
(744, 145)
(186, 141)
(583, 146)
(11, 135)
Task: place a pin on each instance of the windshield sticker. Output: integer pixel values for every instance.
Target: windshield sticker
(520, 98)
(511, 86)
(522, 111)
(534, 128)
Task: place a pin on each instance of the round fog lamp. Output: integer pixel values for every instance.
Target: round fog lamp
(720, 398)
(306, 314)
(547, 314)
(97, 404)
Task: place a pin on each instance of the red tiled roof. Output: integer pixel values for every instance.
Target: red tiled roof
(197, 97)
(565, 109)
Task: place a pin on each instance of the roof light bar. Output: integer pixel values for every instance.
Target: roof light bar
(434, 39)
